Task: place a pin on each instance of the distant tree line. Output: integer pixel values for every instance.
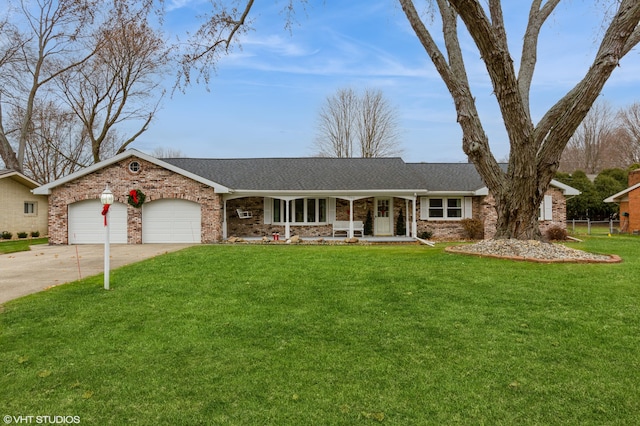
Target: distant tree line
(590, 203)
(605, 139)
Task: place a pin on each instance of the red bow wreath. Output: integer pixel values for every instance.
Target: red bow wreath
(136, 198)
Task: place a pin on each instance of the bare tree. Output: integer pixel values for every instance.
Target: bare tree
(218, 35)
(350, 125)
(630, 136)
(535, 149)
(378, 126)
(57, 145)
(337, 123)
(163, 152)
(120, 81)
(587, 148)
(48, 47)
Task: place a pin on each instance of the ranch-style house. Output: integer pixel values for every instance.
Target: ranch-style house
(209, 200)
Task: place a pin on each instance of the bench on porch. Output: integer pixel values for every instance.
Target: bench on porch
(343, 226)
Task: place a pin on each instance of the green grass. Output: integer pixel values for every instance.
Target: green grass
(332, 335)
(20, 245)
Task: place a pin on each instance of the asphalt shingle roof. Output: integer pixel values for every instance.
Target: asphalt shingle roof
(307, 174)
(317, 174)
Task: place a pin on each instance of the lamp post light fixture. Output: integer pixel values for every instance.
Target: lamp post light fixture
(106, 198)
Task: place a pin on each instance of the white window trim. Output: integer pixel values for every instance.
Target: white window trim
(35, 208)
(292, 211)
(466, 205)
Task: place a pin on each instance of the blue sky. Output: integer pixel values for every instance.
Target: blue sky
(264, 99)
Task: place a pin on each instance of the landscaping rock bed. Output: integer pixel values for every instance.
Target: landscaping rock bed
(533, 251)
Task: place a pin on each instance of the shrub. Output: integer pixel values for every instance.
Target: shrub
(22, 234)
(473, 228)
(35, 234)
(556, 233)
(368, 224)
(401, 228)
(425, 235)
(6, 235)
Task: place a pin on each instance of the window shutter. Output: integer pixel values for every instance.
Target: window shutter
(331, 210)
(268, 205)
(424, 208)
(548, 207)
(467, 213)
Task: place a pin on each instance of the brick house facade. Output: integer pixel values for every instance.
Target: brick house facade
(155, 181)
(319, 193)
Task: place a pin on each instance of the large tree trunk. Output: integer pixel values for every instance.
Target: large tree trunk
(535, 150)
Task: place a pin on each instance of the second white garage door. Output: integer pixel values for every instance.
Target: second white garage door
(171, 221)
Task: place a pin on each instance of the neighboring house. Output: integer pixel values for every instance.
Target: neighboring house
(207, 200)
(20, 210)
(629, 201)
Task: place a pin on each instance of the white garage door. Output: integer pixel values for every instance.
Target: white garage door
(171, 221)
(86, 223)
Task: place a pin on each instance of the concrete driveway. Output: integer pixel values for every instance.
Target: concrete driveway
(44, 266)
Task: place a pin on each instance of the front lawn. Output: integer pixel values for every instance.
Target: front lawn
(20, 245)
(332, 335)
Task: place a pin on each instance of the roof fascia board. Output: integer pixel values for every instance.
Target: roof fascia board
(614, 197)
(19, 177)
(46, 189)
(323, 193)
(454, 193)
(566, 189)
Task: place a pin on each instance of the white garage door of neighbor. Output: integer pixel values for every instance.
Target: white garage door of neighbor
(86, 223)
(171, 221)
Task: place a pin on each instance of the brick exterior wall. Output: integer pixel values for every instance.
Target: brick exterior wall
(632, 206)
(482, 208)
(559, 215)
(158, 183)
(154, 181)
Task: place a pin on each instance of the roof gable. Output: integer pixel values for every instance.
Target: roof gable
(46, 189)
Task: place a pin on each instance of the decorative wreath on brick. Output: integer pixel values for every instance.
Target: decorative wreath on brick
(136, 198)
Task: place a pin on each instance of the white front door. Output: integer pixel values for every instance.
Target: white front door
(383, 222)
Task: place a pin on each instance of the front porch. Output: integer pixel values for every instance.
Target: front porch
(336, 217)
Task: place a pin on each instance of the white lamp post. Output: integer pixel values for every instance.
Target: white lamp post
(106, 198)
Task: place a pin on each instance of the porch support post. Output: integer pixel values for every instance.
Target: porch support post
(407, 231)
(287, 226)
(414, 219)
(350, 217)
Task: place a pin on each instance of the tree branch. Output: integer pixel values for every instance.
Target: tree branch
(529, 57)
